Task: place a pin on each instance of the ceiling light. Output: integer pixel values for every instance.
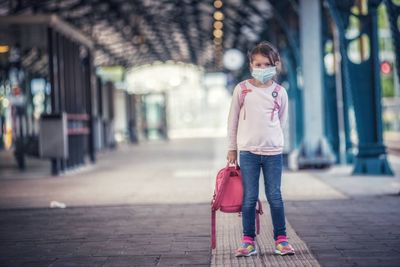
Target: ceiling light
(218, 25)
(4, 48)
(218, 4)
(218, 33)
(218, 15)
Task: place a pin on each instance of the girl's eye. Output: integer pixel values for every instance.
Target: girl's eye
(260, 65)
(263, 65)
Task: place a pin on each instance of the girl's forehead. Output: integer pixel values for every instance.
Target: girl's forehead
(259, 58)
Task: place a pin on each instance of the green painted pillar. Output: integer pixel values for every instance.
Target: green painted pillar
(363, 78)
(330, 98)
(394, 20)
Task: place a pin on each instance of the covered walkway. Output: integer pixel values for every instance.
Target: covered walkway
(113, 127)
(103, 71)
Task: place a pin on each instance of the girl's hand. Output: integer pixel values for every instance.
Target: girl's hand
(232, 157)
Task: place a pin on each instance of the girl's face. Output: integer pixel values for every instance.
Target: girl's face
(260, 62)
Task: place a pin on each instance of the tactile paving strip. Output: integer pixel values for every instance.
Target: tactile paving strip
(229, 230)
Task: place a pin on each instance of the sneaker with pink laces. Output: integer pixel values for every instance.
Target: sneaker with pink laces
(246, 250)
(282, 246)
(248, 247)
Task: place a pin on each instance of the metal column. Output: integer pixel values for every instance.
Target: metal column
(315, 150)
(364, 81)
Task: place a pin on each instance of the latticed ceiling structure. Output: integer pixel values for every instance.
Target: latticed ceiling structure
(137, 32)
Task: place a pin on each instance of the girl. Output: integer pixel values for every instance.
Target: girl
(257, 115)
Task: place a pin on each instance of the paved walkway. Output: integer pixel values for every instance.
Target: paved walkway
(350, 232)
(133, 235)
(228, 238)
(148, 205)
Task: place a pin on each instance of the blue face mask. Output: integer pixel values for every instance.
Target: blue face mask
(264, 75)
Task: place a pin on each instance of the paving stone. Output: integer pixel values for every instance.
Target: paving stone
(27, 263)
(178, 260)
(124, 261)
(78, 261)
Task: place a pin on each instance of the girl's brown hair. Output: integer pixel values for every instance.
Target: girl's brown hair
(267, 50)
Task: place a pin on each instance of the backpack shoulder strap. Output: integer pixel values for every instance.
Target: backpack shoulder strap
(243, 85)
(243, 92)
(275, 95)
(276, 90)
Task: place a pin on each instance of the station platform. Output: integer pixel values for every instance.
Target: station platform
(149, 205)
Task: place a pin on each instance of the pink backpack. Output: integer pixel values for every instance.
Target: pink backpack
(244, 92)
(228, 197)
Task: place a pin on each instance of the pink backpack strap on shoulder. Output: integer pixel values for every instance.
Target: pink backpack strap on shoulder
(275, 95)
(243, 92)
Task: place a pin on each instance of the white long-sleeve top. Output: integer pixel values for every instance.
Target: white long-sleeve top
(250, 128)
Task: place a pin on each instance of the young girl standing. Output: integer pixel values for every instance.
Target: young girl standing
(257, 115)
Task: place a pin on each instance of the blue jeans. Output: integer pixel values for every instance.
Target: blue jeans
(250, 165)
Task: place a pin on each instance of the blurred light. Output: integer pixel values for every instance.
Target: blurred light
(175, 81)
(218, 25)
(218, 15)
(218, 33)
(329, 62)
(386, 68)
(233, 59)
(119, 137)
(38, 85)
(5, 103)
(4, 48)
(218, 4)
(111, 73)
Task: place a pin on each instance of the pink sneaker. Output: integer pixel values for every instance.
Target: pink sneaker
(282, 246)
(246, 250)
(248, 247)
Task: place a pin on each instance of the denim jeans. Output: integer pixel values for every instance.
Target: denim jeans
(250, 165)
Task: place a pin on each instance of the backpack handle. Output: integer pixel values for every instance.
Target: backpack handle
(236, 165)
